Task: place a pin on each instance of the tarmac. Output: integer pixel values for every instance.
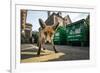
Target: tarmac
(65, 53)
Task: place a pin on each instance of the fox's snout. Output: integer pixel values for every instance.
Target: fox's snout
(47, 42)
(48, 38)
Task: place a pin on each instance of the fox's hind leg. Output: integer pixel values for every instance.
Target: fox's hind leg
(43, 46)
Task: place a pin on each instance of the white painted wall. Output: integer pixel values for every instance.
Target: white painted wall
(5, 35)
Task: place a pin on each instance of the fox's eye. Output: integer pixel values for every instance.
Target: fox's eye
(45, 33)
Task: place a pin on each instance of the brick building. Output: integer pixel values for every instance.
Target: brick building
(26, 28)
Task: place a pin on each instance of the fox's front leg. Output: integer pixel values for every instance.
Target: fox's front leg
(41, 45)
(54, 47)
(39, 50)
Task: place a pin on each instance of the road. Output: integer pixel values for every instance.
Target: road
(73, 53)
(65, 53)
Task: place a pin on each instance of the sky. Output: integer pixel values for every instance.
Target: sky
(33, 16)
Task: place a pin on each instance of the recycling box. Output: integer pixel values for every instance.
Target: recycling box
(78, 32)
(60, 36)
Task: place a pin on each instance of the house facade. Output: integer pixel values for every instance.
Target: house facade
(57, 17)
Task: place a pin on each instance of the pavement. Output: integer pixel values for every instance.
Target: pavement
(65, 53)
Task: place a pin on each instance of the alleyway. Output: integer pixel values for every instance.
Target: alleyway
(29, 53)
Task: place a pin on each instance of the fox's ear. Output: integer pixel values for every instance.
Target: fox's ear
(42, 24)
(55, 26)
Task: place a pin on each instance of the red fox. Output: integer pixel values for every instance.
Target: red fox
(46, 34)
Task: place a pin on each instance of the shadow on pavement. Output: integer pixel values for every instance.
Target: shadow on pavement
(31, 53)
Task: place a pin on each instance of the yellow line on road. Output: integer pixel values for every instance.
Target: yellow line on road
(47, 55)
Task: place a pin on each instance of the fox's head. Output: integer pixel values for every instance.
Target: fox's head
(48, 31)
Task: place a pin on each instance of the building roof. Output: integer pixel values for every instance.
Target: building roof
(67, 18)
(50, 19)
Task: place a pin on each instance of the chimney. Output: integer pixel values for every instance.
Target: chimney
(59, 13)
